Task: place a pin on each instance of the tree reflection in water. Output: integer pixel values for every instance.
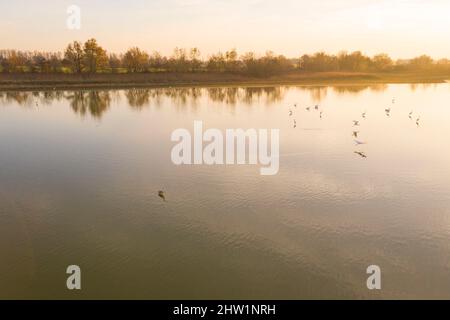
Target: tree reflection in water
(96, 102)
(93, 102)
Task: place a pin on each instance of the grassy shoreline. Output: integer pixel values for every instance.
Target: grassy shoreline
(29, 81)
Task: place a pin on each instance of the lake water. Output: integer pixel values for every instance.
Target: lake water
(80, 173)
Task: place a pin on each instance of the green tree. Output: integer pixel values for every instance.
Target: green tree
(4, 64)
(353, 62)
(157, 61)
(114, 63)
(382, 62)
(423, 62)
(135, 60)
(216, 63)
(195, 62)
(55, 63)
(95, 58)
(40, 64)
(319, 62)
(16, 61)
(250, 62)
(74, 55)
(179, 61)
(232, 63)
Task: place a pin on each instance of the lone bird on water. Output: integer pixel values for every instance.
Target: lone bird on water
(162, 195)
(355, 134)
(355, 123)
(364, 115)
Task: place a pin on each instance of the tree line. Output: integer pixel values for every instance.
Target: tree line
(90, 58)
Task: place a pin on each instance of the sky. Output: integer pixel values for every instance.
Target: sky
(401, 28)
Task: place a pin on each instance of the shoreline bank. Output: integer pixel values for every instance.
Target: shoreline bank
(27, 82)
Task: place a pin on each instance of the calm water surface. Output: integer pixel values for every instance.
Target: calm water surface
(80, 173)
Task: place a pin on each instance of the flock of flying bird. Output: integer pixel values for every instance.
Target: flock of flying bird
(356, 123)
(316, 107)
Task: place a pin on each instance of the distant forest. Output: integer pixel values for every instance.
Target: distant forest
(90, 57)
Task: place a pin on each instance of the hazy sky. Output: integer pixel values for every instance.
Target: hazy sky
(402, 28)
